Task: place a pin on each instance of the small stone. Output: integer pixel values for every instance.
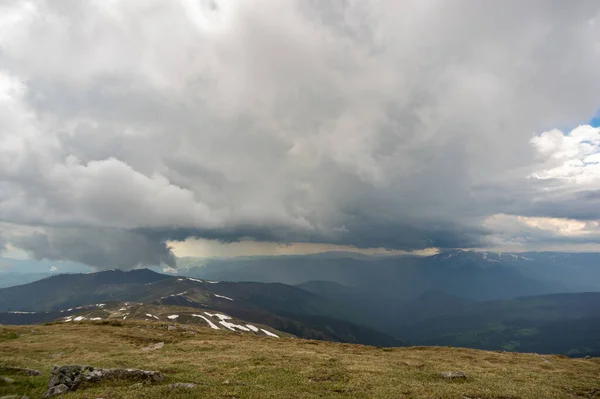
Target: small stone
(6, 380)
(153, 347)
(57, 390)
(185, 385)
(453, 375)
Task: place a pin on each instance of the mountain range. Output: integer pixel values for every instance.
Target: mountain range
(533, 302)
(282, 307)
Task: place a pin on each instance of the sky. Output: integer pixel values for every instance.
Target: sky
(132, 132)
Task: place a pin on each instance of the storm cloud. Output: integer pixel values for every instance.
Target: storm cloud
(402, 125)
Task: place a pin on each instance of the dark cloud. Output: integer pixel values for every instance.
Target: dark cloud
(376, 124)
(105, 248)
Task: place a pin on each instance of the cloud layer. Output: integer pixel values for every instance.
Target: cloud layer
(126, 125)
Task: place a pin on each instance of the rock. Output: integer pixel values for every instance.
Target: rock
(171, 328)
(71, 376)
(453, 375)
(125, 374)
(185, 385)
(6, 380)
(153, 347)
(57, 390)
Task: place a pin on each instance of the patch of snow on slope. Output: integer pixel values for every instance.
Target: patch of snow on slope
(79, 318)
(269, 333)
(122, 309)
(168, 296)
(96, 318)
(151, 315)
(253, 328)
(173, 316)
(211, 282)
(232, 326)
(19, 312)
(219, 315)
(210, 323)
(222, 296)
(68, 319)
(100, 305)
(195, 279)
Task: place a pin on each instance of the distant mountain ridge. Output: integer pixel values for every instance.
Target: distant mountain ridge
(469, 274)
(283, 307)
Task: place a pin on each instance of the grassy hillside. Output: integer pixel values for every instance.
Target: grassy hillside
(230, 365)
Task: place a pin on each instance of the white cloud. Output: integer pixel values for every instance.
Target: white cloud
(573, 157)
(368, 124)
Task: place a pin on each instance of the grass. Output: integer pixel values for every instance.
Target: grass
(230, 365)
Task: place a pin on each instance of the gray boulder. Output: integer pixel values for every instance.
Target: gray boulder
(57, 390)
(453, 375)
(124, 374)
(69, 377)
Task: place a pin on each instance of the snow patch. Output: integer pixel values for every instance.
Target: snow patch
(122, 309)
(222, 296)
(19, 312)
(210, 323)
(168, 296)
(219, 315)
(100, 305)
(79, 318)
(253, 328)
(269, 333)
(96, 318)
(232, 326)
(173, 316)
(195, 279)
(151, 315)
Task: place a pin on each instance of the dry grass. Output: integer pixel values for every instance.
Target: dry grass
(229, 365)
